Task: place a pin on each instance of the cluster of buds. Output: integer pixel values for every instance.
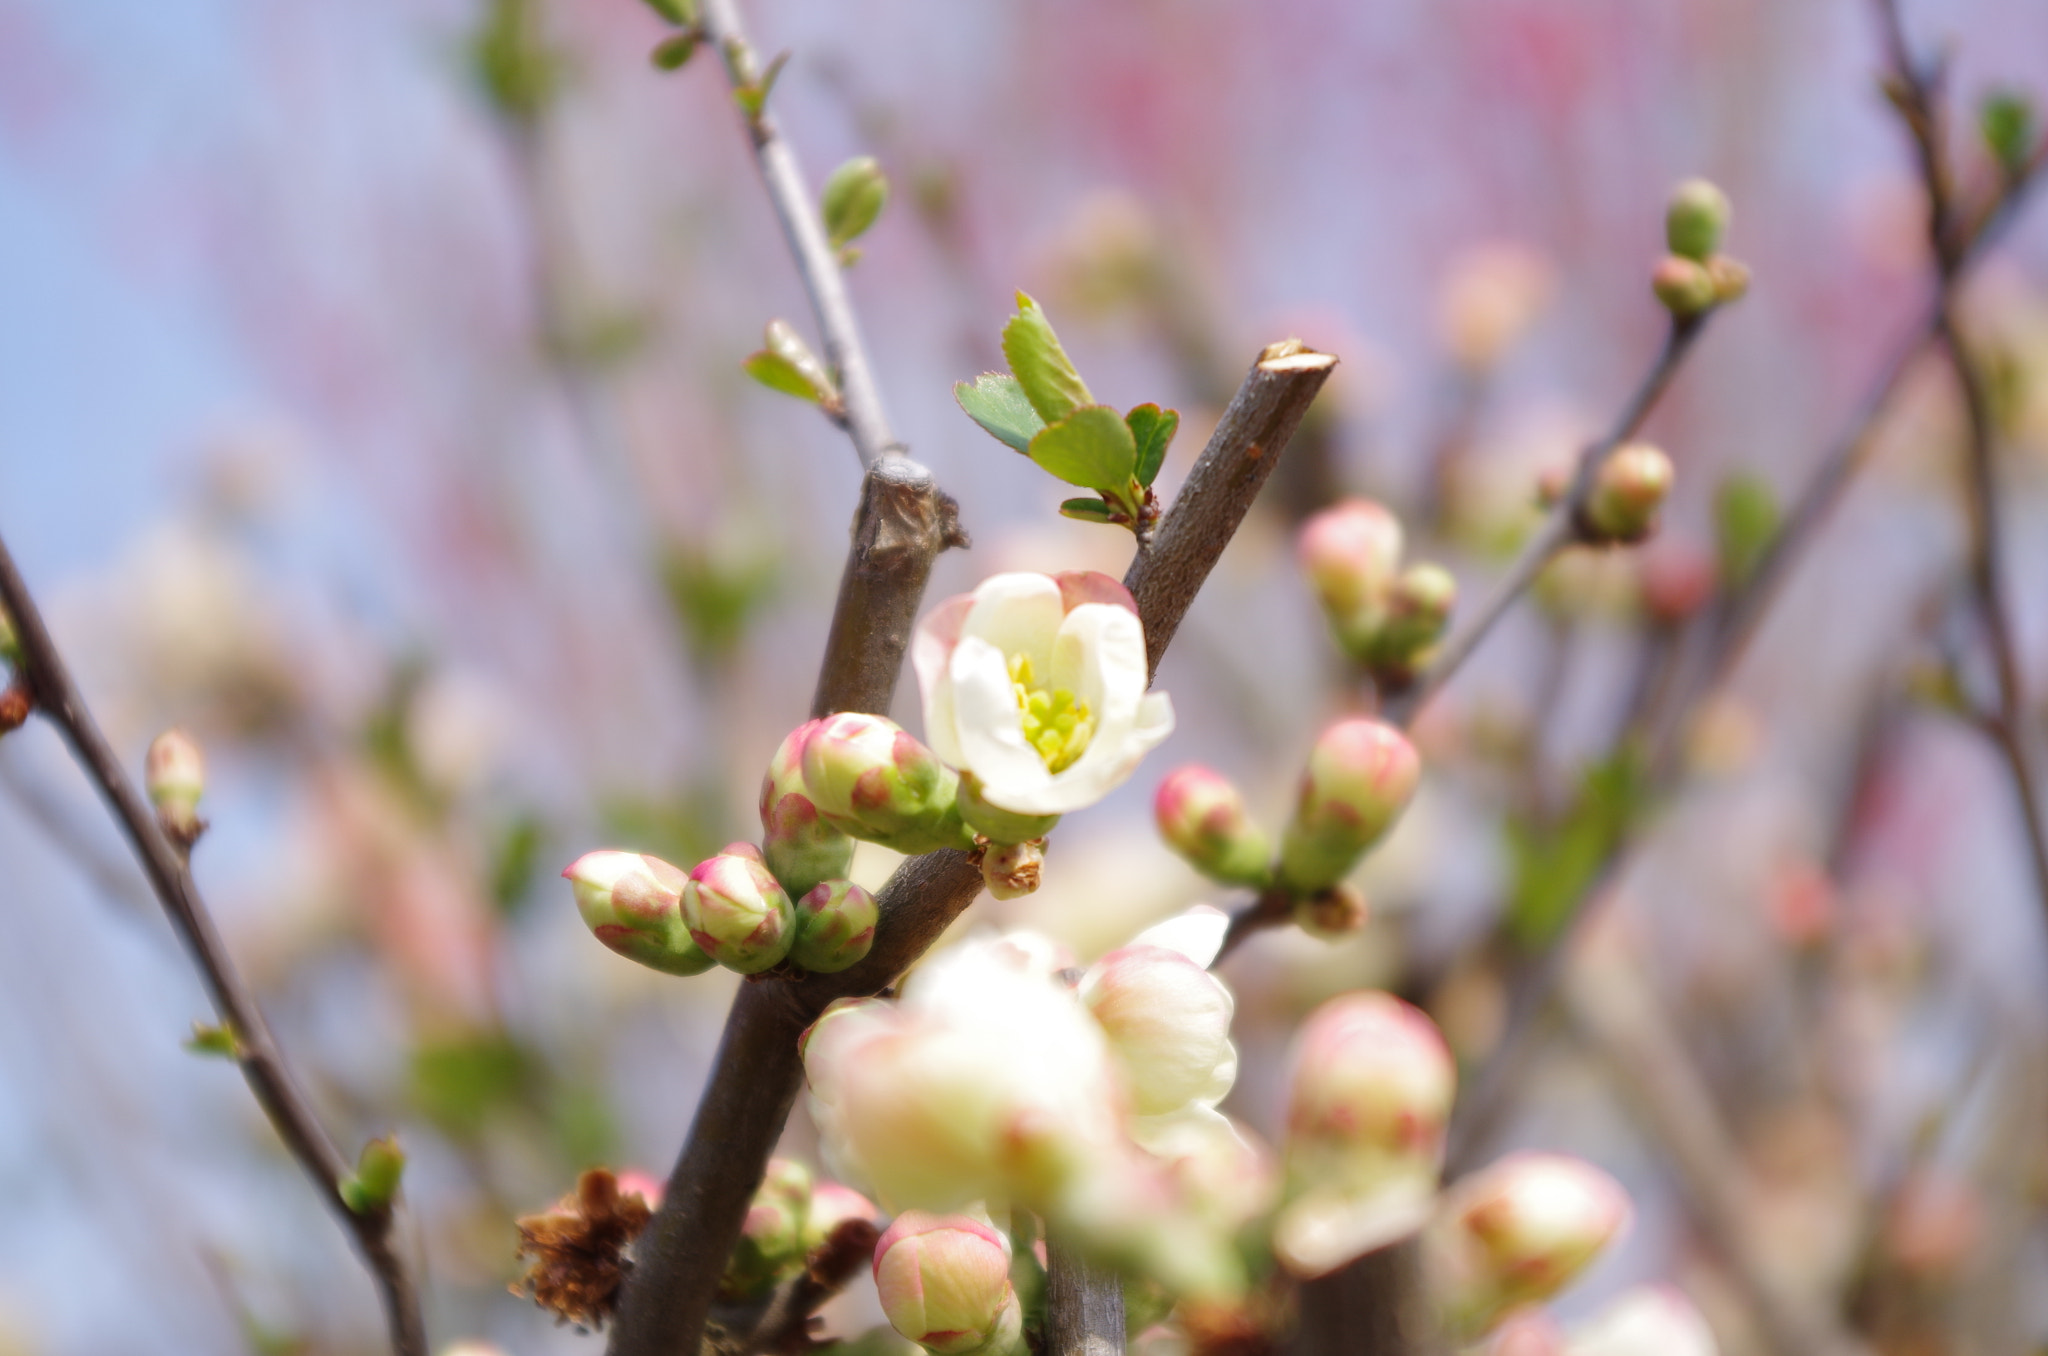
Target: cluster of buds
(1387, 618)
(633, 904)
(1695, 276)
(796, 842)
(174, 774)
(1369, 1097)
(1628, 491)
(944, 1283)
(1516, 1233)
(868, 777)
(789, 1220)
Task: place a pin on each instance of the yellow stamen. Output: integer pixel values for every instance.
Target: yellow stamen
(1056, 723)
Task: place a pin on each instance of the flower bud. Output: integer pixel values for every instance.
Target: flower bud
(1168, 1023)
(1369, 1096)
(1730, 278)
(649, 1188)
(1349, 554)
(1202, 816)
(1517, 1232)
(1013, 870)
(15, 705)
(735, 911)
(1696, 219)
(835, 926)
(870, 778)
(1360, 776)
(1332, 914)
(833, 1204)
(1418, 608)
(1684, 286)
(375, 1181)
(1676, 579)
(743, 849)
(1628, 490)
(771, 1243)
(1650, 1320)
(944, 1282)
(995, 823)
(175, 774)
(797, 844)
(633, 903)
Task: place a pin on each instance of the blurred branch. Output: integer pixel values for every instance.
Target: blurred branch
(1560, 530)
(757, 1074)
(1375, 1306)
(263, 1065)
(1084, 1306)
(785, 1324)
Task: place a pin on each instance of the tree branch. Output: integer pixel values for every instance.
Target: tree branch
(263, 1065)
(1084, 1306)
(757, 1075)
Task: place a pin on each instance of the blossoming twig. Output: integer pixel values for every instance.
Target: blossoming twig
(57, 696)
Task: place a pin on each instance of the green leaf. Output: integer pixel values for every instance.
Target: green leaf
(1554, 867)
(675, 51)
(2006, 122)
(1087, 510)
(853, 198)
(995, 401)
(787, 365)
(513, 860)
(512, 61)
(681, 13)
(379, 1170)
(1041, 366)
(1745, 522)
(217, 1042)
(1153, 429)
(777, 373)
(1092, 448)
(752, 97)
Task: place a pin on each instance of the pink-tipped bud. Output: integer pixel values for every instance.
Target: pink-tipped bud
(1517, 1232)
(743, 849)
(738, 913)
(648, 1187)
(835, 926)
(1531, 1332)
(1628, 491)
(771, 1243)
(1360, 776)
(1349, 554)
(633, 904)
(174, 773)
(944, 1282)
(1676, 579)
(1202, 816)
(1650, 1320)
(832, 1205)
(1168, 1023)
(1684, 286)
(1013, 870)
(797, 844)
(870, 778)
(1369, 1096)
(1730, 278)
(1332, 914)
(1418, 609)
(996, 824)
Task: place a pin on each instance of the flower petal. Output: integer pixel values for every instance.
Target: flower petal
(931, 650)
(1018, 614)
(1196, 934)
(1093, 586)
(991, 728)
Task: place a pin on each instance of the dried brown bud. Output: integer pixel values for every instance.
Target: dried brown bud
(579, 1250)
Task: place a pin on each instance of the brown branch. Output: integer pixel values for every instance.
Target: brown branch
(263, 1065)
(1560, 530)
(1084, 1306)
(1375, 1306)
(757, 1075)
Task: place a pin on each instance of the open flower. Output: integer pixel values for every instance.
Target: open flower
(1034, 685)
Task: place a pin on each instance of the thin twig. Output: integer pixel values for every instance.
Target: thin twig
(1560, 530)
(263, 1065)
(757, 1074)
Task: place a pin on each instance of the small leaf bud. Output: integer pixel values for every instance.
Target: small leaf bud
(174, 773)
(944, 1282)
(738, 914)
(1349, 554)
(1332, 914)
(675, 51)
(995, 823)
(871, 779)
(2006, 121)
(835, 926)
(1360, 776)
(10, 643)
(853, 198)
(1684, 286)
(771, 1243)
(1202, 816)
(1628, 491)
(797, 844)
(375, 1181)
(1696, 220)
(633, 904)
(1517, 1232)
(1013, 870)
(1730, 278)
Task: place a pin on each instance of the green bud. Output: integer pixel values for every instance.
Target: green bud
(1746, 518)
(1360, 776)
(799, 847)
(1418, 608)
(771, 1243)
(785, 363)
(1629, 489)
(870, 778)
(1685, 286)
(1696, 220)
(854, 196)
(995, 823)
(2006, 122)
(674, 52)
(633, 904)
(835, 927)
(174, 773)
(1202, 816)
(375, 1181)
(738, 914)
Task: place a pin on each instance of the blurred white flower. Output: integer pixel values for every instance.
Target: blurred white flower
(1650, 1320)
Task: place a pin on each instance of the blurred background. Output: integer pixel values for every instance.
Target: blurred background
(373, 409)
